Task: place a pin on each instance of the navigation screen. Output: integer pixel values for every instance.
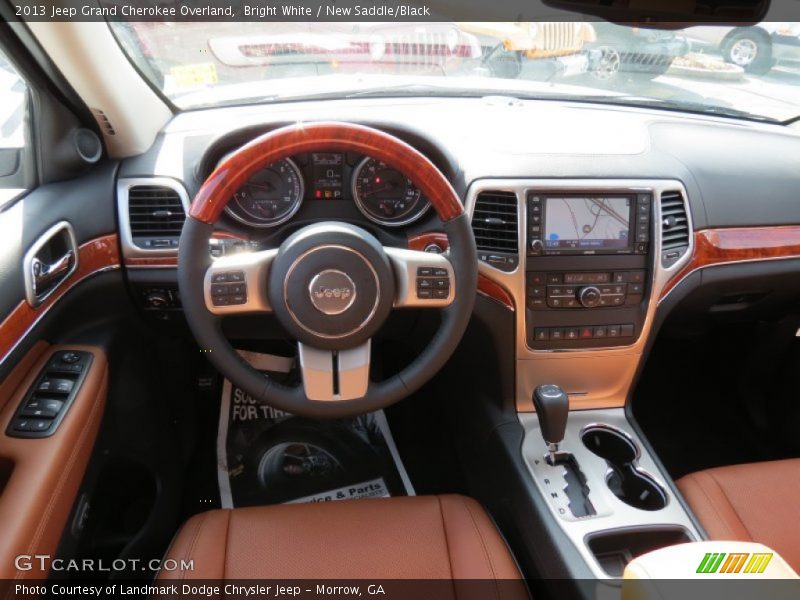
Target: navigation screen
(587, 223)
(328, 175)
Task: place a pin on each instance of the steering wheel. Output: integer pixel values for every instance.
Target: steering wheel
(331, 285)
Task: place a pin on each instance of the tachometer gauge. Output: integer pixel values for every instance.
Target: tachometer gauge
(386, 196)
(271, 197)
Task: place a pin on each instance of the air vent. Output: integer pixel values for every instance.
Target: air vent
(494, 223)
(675, 233)
(156, 216)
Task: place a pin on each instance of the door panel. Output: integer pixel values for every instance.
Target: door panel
(42, 476)
(87, 204)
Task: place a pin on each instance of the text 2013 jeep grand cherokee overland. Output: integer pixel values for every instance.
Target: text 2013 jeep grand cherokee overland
(331, 306)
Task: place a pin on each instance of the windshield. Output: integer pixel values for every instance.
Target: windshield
(748, 72)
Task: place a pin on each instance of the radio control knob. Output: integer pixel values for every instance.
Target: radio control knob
(537, 246)
(589, 297)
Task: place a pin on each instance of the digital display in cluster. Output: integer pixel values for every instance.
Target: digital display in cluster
(328, 174)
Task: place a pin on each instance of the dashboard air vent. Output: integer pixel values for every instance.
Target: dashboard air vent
(675, 233)
(156, 216)
(494, 223)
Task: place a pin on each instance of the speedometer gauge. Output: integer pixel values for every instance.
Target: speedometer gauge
(385, 195)
(270, 197)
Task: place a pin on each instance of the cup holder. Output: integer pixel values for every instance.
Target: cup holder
(625, 480)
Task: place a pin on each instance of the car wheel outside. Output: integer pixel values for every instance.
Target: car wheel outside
(751, 50)
(607, 65)
(504, 64)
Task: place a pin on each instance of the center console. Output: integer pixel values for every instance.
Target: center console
(587, 267)
(602, 486)
(595, 257)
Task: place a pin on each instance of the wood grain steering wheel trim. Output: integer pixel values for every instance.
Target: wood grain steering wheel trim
(237, 168)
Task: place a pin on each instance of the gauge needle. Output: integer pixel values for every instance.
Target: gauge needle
(261, 186)
(376, 191)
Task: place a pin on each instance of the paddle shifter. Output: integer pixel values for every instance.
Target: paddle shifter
(552, 409)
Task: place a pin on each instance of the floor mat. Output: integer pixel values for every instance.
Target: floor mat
(268, 456)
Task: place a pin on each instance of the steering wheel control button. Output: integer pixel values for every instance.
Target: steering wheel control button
(228, 288)
(433, 283)
(332, 292)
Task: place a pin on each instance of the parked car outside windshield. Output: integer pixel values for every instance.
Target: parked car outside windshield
(746, 72)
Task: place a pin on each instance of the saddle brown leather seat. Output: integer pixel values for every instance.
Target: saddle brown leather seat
(423, 537)
(757, 502)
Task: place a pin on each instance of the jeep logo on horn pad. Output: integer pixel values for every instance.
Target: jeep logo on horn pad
(332, 292)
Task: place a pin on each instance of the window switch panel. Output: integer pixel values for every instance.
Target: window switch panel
(32, 425)
(47, 401)
(42, 408)
(53, 385)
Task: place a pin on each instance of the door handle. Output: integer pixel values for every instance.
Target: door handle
(49, 274)
(42, 273)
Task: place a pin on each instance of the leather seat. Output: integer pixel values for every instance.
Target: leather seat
(423, 537)
(757, 502)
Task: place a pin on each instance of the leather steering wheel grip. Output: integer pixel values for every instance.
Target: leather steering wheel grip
(194, 260)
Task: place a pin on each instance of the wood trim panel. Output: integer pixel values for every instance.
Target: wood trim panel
(423, 240)
(151, 261)
(487, 287)
(738, 244)
(492, 289)
(172, 261)
(93, 257)
(237, 168)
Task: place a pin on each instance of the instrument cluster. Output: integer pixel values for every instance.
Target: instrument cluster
(383, 194)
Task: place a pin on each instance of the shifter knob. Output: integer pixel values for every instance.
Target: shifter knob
(552, 410)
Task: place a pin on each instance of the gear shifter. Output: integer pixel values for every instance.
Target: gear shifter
(552, 410)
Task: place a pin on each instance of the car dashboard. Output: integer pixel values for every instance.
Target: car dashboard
(596, 229)
(585, 304)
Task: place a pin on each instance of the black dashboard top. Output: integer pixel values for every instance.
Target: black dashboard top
(731, 169)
